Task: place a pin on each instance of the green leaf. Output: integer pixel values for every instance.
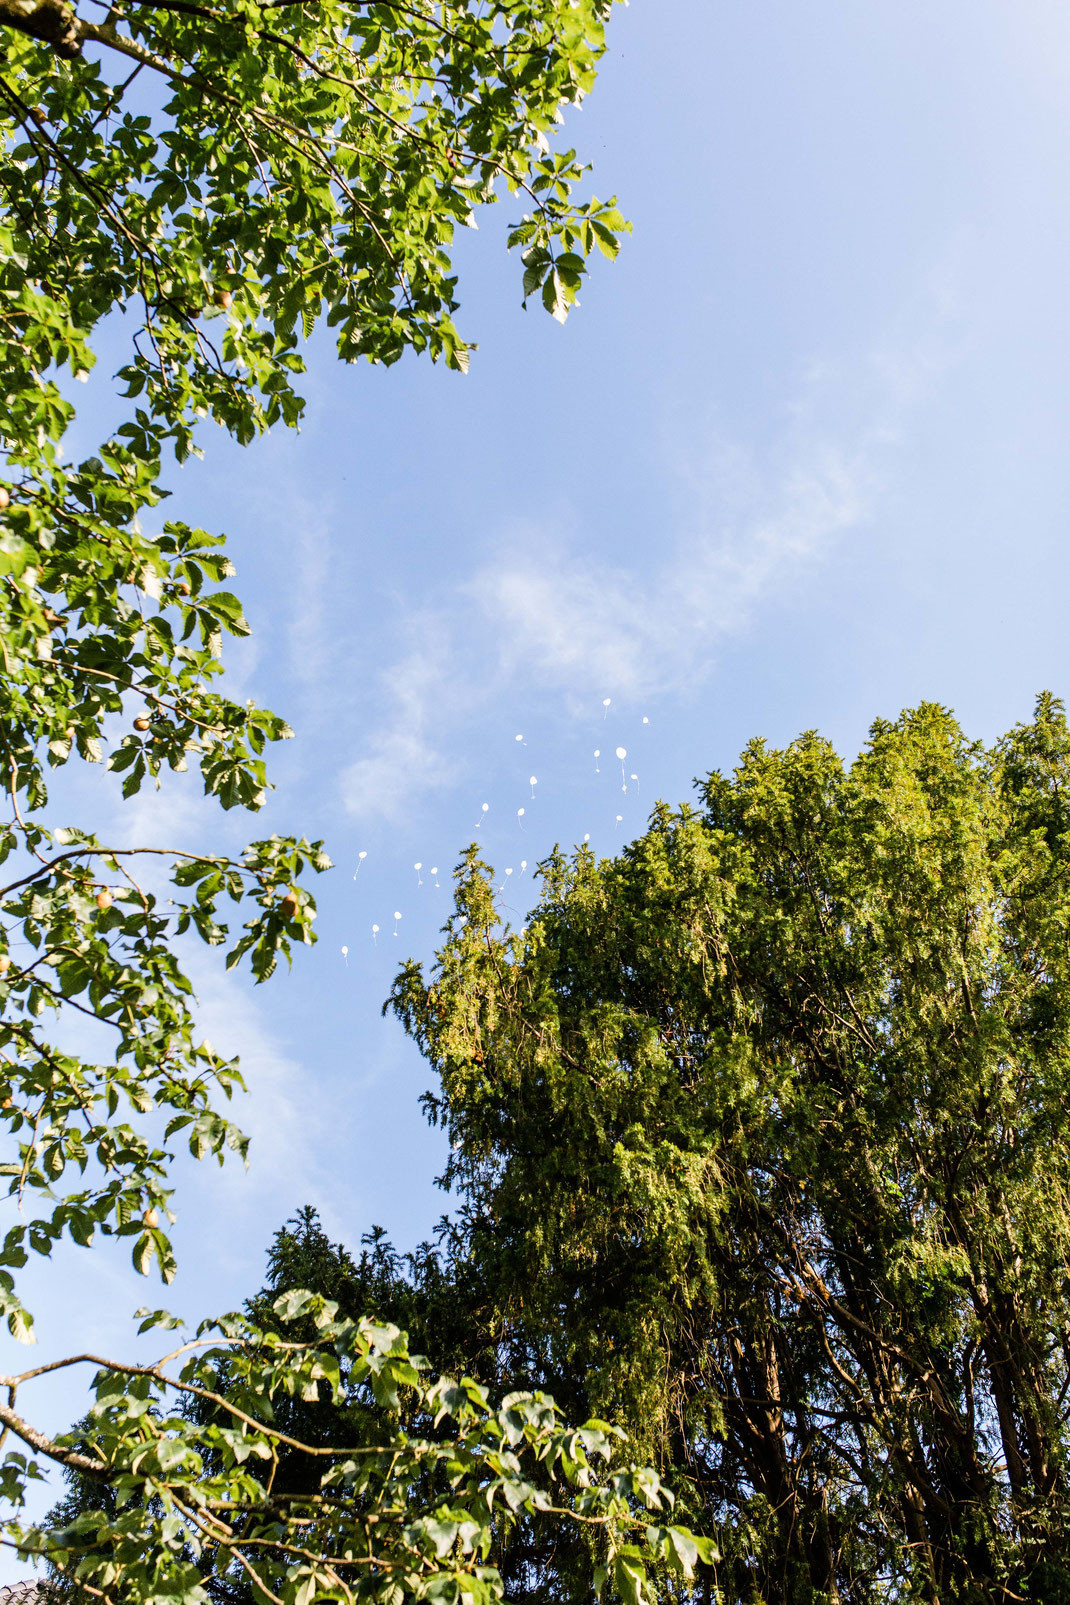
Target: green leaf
(20, 1325)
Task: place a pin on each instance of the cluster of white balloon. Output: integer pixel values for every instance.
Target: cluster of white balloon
(521, 812)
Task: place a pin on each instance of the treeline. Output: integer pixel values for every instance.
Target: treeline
(760, 1131)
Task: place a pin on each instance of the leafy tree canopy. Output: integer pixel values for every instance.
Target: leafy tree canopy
(193, 1504)
(221, 178)
(299, 1452)
(763, 1129)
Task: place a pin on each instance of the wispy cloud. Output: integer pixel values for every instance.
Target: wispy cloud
(542, 612)
(589, 626)
(285, 1126)
(743, 525)
(404, 758)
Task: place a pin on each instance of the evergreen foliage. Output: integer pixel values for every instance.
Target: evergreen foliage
(763, 1128)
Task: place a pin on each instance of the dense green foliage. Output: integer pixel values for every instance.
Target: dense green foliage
(763, 1130)
(308, 1453)
(223, 1501)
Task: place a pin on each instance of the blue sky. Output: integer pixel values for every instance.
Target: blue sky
(799, 460)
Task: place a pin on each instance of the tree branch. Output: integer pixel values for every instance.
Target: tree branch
(47, 1446)
(49, 20)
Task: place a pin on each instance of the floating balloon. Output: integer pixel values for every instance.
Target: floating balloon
(636, 779)
(622, 753)
(587, 837)
(645, 719)
(434, 872)
(508, 872)
(532, 782)
(520, 738)
(619, 818)
(605, 706)
(520, 817)
(479, 821)
(523, 865)
(360, 859)
(597, 755)
(375, 935)
(419, 878)
(397, 916)
(345, 955)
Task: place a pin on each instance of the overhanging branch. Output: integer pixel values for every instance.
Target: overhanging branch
(50, 20)
(54, 1451)
(55, 24)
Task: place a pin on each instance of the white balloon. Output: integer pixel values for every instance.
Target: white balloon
(508, 872)
(619, 818)
(397, 916)
(523, 865)
(418, 865)
(532, 781)
(520, 813)
(645, 719)
(518, 738)
(606, 701)
(622, 752)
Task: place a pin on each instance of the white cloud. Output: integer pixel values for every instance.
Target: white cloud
(545, 613)
(403, 759)
(589, 626)
(742, 526)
